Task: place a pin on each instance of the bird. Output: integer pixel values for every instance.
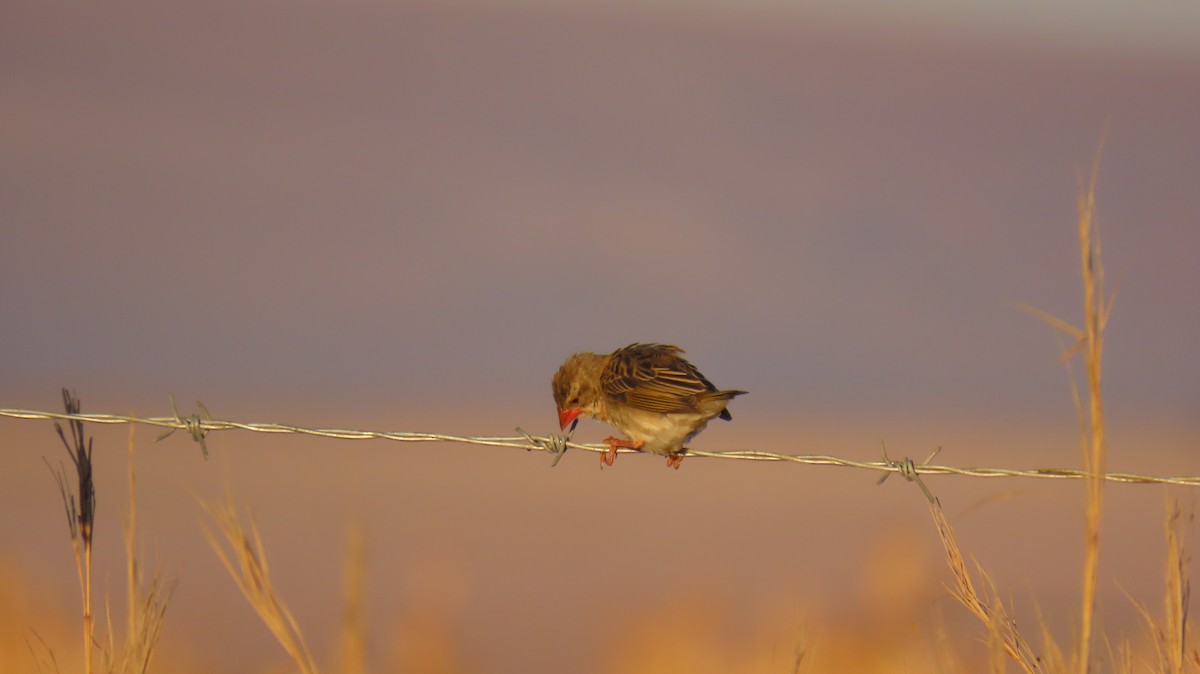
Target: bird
(649, 392)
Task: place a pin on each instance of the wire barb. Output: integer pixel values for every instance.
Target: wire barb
(908, 470)
(555, 443)
(194, 424)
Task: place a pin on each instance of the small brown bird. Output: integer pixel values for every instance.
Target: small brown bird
(647, 391)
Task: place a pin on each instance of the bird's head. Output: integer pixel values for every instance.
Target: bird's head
(576, 387)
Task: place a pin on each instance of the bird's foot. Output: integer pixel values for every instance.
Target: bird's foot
(607, 458)
(674, 459)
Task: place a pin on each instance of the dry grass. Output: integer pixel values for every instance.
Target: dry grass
(1002, 634)
(146, 604)
(1003, 637)
(1089, 342)
(1169, 634)
(80, 505)
(354, 622)
(1096, 307)
(246, 562)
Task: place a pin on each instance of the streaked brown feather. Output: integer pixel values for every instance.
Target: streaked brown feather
(655, 378)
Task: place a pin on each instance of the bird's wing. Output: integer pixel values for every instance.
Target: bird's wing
(653, 377)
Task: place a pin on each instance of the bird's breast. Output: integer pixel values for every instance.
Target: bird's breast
(659, 433)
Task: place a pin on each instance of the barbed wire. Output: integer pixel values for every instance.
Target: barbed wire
(200, 426)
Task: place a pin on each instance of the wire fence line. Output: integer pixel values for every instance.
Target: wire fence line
(200, 426)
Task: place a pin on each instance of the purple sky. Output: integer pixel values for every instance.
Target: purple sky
(421, 205)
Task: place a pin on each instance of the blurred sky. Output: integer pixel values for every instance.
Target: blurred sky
(405, 215)
(434, 204)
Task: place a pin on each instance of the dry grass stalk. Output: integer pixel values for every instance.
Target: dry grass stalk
(81, 514)
(246, 563)
(1089, 341)
(1122, 658)
(997, 654)
(147, 607)
(802, 651)
(1096, 310)
(1053, 658)
(43, 656)
(1169, 635)
(944, 654)
(1177, 593)
(990, 610)
(354, 625)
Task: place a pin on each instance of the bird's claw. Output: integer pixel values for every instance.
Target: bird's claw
(607, 458)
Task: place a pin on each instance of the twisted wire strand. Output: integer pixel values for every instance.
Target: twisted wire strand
(198, 427)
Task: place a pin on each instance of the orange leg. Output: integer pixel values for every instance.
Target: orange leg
(608, 457)
(673, 460)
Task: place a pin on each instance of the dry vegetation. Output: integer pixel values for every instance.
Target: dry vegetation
(146, 602)
(692, 642)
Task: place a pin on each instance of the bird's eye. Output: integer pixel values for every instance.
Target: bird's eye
(574, 402)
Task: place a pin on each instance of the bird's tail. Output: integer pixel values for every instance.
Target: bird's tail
(723, 397)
